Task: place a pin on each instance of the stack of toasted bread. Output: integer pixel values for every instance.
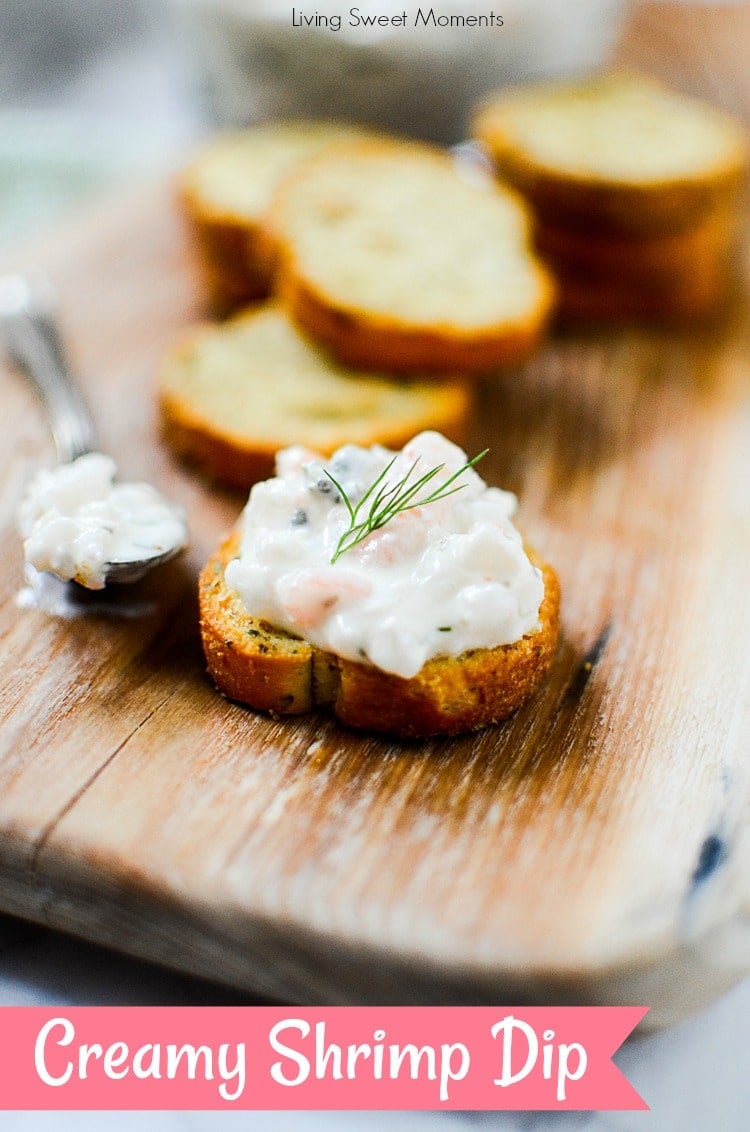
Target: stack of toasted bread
(635, 188)
(383, 260)
(226, 191)
(387, 275)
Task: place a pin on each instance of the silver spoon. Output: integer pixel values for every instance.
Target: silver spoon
(32, 342)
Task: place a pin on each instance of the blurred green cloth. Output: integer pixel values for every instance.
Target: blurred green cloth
(50, 162)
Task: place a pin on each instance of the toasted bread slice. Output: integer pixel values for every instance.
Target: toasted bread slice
(232, 395)
(227, 188)
(397, 260)
(254, 663)
(619, 152)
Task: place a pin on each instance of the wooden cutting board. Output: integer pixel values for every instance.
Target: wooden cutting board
(595, 848)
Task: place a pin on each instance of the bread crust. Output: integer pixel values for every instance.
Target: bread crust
(247, 659)
(598, 202)
(223, 458)
(239, 459)
(263, 667)
(224, 250)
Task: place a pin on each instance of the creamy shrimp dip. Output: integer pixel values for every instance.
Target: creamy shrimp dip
(75, 520)
(435, 580)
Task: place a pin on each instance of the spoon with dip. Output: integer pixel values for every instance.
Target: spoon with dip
(77, 522)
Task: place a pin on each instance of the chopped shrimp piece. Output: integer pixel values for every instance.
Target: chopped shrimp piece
(308, 596)
(403, 536)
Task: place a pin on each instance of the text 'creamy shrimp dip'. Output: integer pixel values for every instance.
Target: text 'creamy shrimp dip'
(434, 581)
(75, 521)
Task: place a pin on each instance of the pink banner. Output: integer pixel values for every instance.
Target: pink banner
(327, 1058)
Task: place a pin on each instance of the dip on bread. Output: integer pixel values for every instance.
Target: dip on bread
(437, 578)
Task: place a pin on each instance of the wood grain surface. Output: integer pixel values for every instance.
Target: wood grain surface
(595, 848)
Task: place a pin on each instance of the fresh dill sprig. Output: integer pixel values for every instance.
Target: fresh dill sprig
(386, 502)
